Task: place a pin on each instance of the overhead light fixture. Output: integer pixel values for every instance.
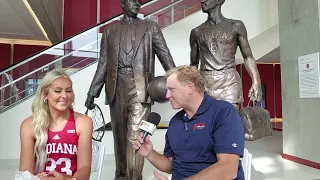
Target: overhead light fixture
(25, 42)
(26, 3)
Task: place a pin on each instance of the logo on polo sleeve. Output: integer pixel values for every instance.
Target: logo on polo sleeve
(234, 145)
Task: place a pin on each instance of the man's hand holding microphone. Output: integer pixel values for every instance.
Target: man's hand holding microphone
(144, 147)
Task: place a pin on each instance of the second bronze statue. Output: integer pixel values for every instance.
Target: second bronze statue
(126, 66)
(214, 45)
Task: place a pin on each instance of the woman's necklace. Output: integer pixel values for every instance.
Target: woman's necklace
(56, 124)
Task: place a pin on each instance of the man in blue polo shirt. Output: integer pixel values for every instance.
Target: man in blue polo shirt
(205, 140)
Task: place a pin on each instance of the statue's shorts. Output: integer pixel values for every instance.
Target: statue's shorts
(223, 85)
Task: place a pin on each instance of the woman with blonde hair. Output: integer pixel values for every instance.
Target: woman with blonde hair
(56, 141)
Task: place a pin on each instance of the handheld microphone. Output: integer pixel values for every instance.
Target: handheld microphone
(148, 126)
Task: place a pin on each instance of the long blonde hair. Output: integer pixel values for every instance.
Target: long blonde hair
(40, 113)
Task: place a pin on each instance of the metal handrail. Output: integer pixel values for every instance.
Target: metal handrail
(168, 6)
(48, 64)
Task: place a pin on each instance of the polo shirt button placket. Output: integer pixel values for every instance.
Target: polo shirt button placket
(186, 126)
(186, 131)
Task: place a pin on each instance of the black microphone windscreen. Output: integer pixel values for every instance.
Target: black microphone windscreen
(154, 118)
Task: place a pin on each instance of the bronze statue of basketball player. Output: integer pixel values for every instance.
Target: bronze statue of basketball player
(126, 66)
(214, 44)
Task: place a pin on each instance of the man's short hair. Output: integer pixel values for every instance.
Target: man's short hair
(187, 74)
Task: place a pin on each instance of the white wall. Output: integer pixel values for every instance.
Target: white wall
(258, 16)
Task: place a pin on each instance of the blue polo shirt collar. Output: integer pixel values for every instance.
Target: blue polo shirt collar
(204, 107)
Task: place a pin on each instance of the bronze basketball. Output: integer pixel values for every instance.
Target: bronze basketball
(157, 89)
